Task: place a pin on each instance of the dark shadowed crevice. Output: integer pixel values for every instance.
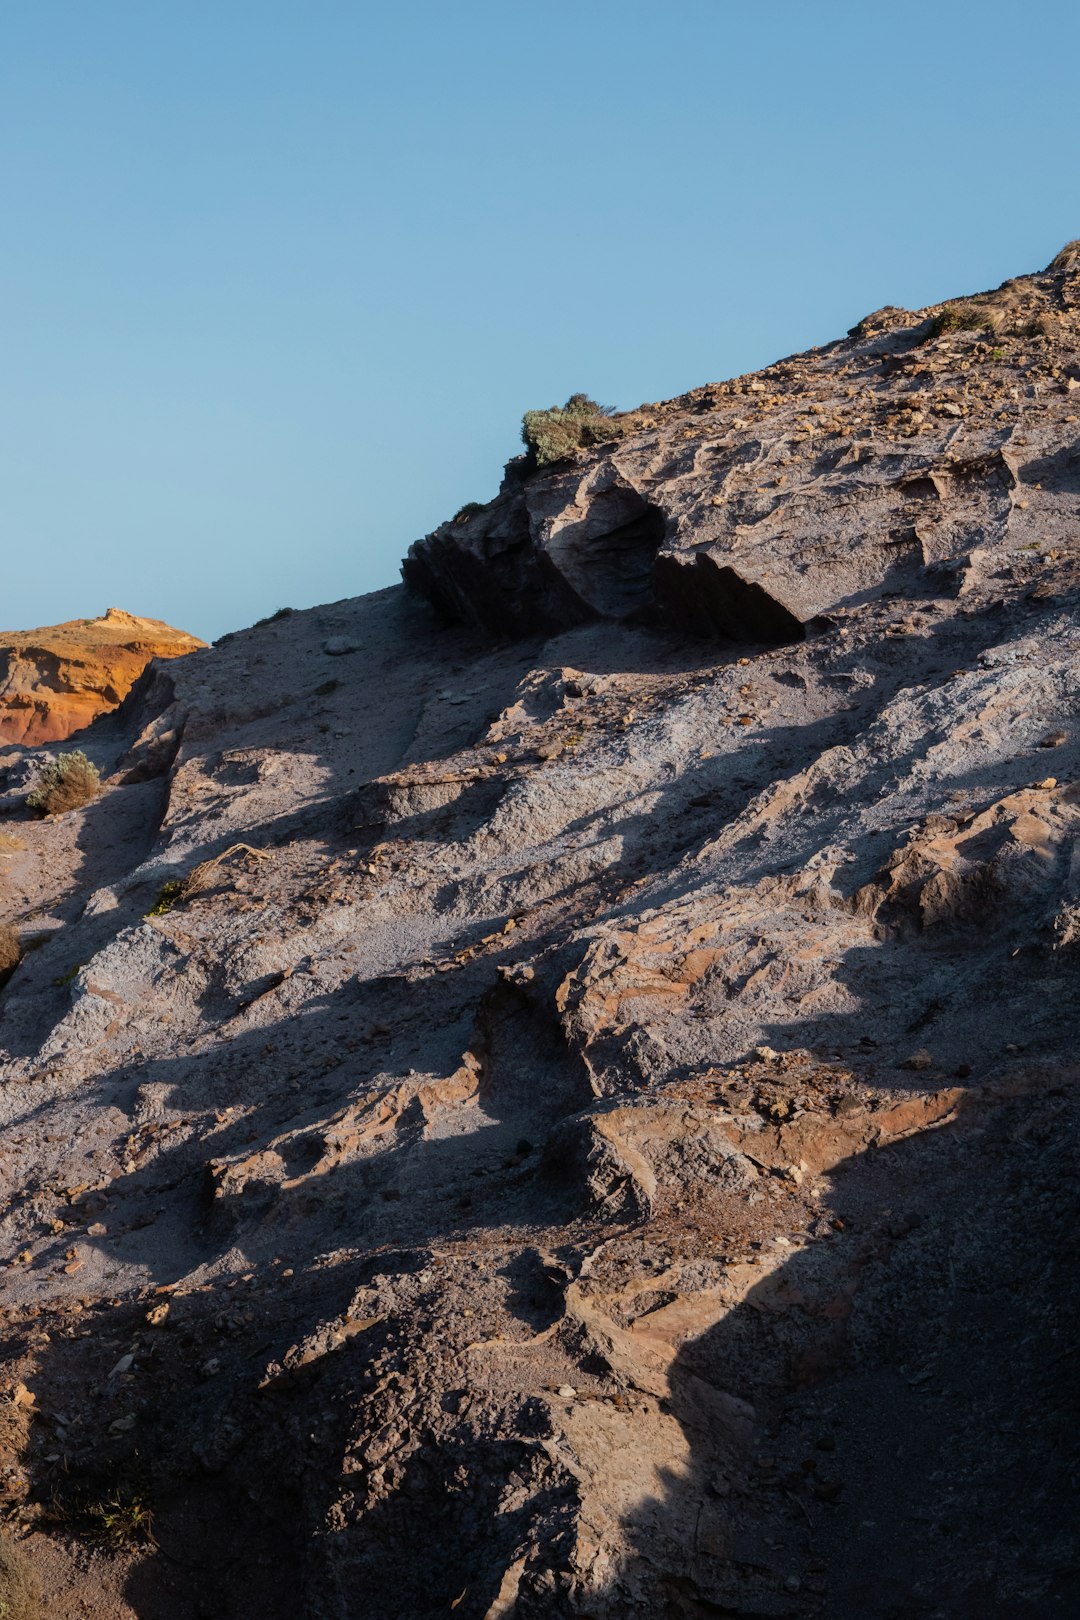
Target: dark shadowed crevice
(705, 597)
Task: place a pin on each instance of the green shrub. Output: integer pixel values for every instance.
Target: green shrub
(470, 510)
(555, 434)
(67, 784)
(11, 954)
(20, 1597)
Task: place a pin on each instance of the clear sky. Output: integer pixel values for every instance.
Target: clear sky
(279, 279)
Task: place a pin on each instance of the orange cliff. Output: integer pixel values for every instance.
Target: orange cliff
(55, 681)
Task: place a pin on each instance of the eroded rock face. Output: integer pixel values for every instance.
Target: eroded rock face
(585, 1126)
(55, 681)
(896, 460)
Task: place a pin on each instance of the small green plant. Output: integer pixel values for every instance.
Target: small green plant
(20, 1596)
(469, 510)
(123, 1519)
(11, 951)
(113, 1515)
(556, 434)
(64, 979)
(171, 894)
(70, 782)
(996, 354)
(274, 618)
(177, 891)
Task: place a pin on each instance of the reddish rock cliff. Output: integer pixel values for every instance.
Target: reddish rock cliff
(53, 682)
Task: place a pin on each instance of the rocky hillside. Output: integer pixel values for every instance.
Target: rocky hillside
(55, 681)
(562, 1104)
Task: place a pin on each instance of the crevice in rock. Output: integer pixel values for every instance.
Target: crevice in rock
(707, 597)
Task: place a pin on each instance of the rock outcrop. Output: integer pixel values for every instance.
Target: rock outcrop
(55, 681)
(911, 455)
(572, 1111)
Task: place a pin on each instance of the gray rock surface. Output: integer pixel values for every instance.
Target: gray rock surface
(583, 1123)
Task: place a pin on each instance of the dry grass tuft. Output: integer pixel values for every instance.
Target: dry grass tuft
(967, 318)
(20, 1596)
(11, 954)
(67, 784)
(1067, 259)
(10, 844)
(179, 890)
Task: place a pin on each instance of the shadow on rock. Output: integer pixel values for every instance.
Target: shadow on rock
(910, 1383)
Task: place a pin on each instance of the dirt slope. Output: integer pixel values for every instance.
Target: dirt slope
(55, 681)
(601, 1139)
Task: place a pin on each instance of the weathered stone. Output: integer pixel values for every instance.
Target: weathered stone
(53, 682)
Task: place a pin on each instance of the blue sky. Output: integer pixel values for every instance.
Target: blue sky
(278, 280)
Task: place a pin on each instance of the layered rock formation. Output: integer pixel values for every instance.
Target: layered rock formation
(584, 1123)
(56, 681)
(915, 451)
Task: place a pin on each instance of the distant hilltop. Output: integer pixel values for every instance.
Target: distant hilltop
(56, 680)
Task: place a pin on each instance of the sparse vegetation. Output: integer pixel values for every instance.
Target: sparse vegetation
(994, 320)
(11, 954)
(124, 1519)
(965, 318)
(1068, 258)
(171, 894)
(274, 618)
(179, 890)
(20, 1597)
(113, 1515)
(469, 510)
(555, 434)
(70, 782)
(1045, 324)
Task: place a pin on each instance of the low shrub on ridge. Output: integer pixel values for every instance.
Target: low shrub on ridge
(67, 784)
(555, 434)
